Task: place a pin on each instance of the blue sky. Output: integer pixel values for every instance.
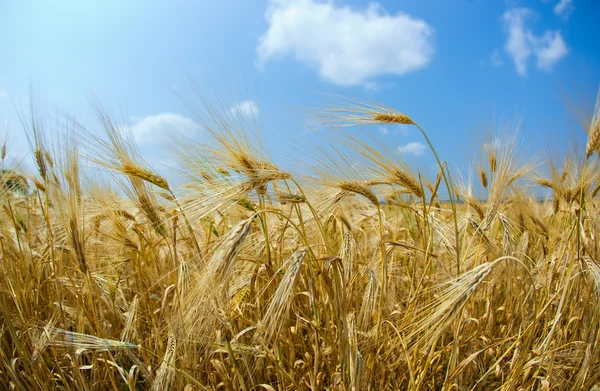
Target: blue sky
(456, 67)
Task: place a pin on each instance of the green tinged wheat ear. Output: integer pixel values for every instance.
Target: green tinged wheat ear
(246, 203)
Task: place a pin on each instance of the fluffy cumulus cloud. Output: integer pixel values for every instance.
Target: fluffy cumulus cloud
(517, 45)
(413, 148)
(548, 48)
(347, 46)
(247, 108)
(160, 127)
(563, 8)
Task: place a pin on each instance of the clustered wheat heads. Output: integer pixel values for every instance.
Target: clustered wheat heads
(360, 273)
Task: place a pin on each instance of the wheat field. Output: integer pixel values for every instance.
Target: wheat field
(356, 273)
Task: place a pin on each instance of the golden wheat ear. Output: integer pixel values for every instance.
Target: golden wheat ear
(392, 118)
(166, 370)
(483, 178)
(145, 174)
(593, 130)
(279, 307)
(357, 187)
(351, 112)
(437, 316)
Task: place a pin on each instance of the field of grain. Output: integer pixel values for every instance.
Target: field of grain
(356, 274)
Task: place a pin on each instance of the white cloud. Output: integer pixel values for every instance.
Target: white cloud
(347, 46)
(247, 108)
(521, 43)
(413, 148)
(159, 127)
(496, 59)
(549, 48)
(563, 8)
(384, 130)
(517, 45)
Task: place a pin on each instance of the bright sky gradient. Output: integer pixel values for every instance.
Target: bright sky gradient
(456, 67)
